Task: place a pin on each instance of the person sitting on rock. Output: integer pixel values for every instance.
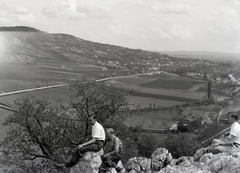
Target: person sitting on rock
(94, 145)
(113, 151)
(231, 145)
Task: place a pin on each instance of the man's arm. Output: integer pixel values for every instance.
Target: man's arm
(117, 144)
(230, 142)
(93, 140)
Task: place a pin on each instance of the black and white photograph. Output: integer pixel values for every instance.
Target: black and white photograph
(119, 86)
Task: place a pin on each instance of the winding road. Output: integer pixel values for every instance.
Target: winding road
(54, 86)
(233, 79)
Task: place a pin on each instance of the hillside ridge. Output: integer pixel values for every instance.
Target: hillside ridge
(37, 45)
(19, 29)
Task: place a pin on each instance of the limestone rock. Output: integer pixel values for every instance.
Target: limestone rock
(133, 164)
(206, 158)
(89, 163)
(199, 153)
(222, 162)
(202, 162)
(233, 166)
(182, 159)
(133, 171)
(139, 165)
(169, 158)
(145, 163)
(113, 170)
(218, 162)
(186, 167)
(236, 155)
(160, 157)
(173, 162)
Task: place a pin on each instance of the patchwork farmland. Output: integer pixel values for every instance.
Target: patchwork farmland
(161, 91)
(141, 90)
(172, 83)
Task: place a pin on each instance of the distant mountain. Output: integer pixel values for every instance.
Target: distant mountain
(30, 45)
(203, 55)
(19, 29)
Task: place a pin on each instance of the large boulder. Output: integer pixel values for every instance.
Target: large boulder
(186, 166)
(206, 158)
(145, 163)
(89, 163)
(233, 166)
(113, 170)
(182, 159)
(222, 162)
(133, 165)
(139, 165)
(199, 153)
(160, 158)
(202, 162)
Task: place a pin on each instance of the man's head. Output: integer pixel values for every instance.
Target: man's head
(92, 119)
(232, 117)
(109, 133)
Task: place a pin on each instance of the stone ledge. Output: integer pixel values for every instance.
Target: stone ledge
(89, 163)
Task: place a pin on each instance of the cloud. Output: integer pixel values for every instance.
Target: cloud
(180, 32)
(21, 10)
(4, 10)
(65, 9)
(71, 3)
(223, 11)
(224, 23)
(16, 15)
(95, 12)
(158, 32)
(146, 24)
(178, 8)
(7, 10)
(27, 19)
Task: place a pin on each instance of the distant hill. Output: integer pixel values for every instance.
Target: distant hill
(28, 44)
(19, 29)
(203, 55)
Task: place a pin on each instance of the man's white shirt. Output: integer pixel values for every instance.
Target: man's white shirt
(235, 131)
(98, 132)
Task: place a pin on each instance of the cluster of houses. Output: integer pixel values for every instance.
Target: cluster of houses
(150, 64)
(209, 76)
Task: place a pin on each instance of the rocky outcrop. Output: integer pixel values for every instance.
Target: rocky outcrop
(161, 161)
(113, 170)
(199, 154)
(222, 162)
(89, 163)
(202, 162)
(186, 167)
(160, 158)
(140, 164)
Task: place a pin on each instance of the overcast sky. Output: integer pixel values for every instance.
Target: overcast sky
(200, 25)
